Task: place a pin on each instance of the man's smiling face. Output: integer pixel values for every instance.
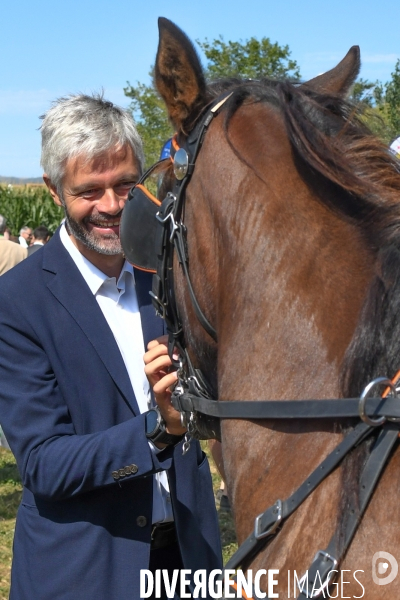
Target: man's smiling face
(94, 194)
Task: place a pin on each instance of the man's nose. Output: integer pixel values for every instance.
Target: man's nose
(110, 202)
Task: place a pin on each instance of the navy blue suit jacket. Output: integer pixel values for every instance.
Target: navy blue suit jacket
(71, 418)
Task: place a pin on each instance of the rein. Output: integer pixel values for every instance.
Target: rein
(145, 224)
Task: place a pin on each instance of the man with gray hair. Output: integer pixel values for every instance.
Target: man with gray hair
(25, 236)
(10, 253)
(92, 442)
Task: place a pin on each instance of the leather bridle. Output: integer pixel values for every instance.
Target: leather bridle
(201, 414)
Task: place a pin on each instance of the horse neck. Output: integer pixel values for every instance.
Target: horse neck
(293, 304)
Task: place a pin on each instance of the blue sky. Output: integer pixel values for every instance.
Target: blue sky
(51, 48)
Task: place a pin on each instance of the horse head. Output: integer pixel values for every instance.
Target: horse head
(251, 224)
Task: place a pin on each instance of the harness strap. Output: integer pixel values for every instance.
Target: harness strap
(182, 255)
(267, 524)
(324, 566)
(343, 408)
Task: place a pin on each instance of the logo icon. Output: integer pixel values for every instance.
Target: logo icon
(384, 568)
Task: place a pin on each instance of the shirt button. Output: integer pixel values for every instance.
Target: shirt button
(115, 474)
(134, 469)
(141, 521)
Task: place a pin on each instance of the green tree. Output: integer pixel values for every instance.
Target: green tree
(250, 59)
(364, 92)
(152, 119)
(392, 100)
(381, 104)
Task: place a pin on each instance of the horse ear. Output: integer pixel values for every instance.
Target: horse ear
(339, 79)
(178, 75)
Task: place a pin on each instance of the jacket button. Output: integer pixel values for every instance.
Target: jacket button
(134, 469)
(121, 472)
(115, 474)
(141, 521)
(127, 470)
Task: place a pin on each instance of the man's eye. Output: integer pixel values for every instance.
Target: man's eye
(124, 187)
(88, 193)
(127, 184)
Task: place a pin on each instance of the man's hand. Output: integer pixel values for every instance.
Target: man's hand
(157, 369)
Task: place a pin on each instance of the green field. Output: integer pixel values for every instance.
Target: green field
(10, 495)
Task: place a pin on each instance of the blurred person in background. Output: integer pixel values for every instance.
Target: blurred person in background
(41, 236)
(10, 253)
(25, 236)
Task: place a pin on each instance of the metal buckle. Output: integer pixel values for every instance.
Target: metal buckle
(169, 216)
(257, 523)
(197, 386)
(361, 407)
(331, 573)
(158, 305)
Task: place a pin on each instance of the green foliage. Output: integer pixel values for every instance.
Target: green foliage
(392, 100)
(10, 485)
(225, 520)
(383, 113)
(365, 92)
(152, 119)
(26, 205)
(376, 119)
(10, 497)
(252, 59)
(381, 105)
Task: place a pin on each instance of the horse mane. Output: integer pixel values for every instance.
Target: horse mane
(328, 136)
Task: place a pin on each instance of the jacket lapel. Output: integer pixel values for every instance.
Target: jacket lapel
(71, 290)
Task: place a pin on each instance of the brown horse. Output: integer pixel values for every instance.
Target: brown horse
(293, 215)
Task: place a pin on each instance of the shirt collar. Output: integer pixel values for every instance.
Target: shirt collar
(91, 274)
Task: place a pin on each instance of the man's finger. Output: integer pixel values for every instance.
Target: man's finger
(163, 339)
(162, 386)
(155, 352)
(157, 364)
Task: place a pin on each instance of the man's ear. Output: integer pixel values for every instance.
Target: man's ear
(53, 191)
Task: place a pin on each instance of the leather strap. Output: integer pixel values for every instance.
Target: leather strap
(172, 237)
(344, 408)
(183, 259)
(325, 562)
(276, 514)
